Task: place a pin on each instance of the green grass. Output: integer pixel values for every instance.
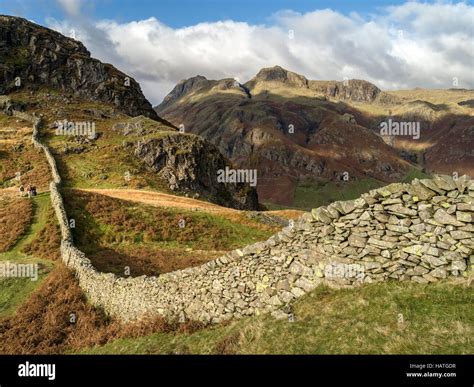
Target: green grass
(14, 291)
(105, 166)
(310, 195)
(415, 173)
(437, 319)
(107, 163)
(41, 205)
(202, 230)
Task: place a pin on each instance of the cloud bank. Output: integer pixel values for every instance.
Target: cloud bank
(405, 46)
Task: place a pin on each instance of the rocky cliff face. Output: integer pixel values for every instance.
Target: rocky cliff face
(199, 85)
(37, 56)
(191, 164)
(352, 90)
(185, 87)
(269, 78)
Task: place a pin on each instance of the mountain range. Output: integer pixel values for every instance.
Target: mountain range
(304, 134)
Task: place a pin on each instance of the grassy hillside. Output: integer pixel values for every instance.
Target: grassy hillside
(311, 195)
(15, 291)
(116, 234)
(16, 217)
(104, 163)
(20, 162)
(388, 318)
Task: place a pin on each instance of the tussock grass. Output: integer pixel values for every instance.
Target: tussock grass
(15, 291)
(15, 215)
(57, 318)
(24, 159)
(47, 241)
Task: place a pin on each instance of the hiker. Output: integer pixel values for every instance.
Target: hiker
(28, 190)
(22, 191)
(33, 190)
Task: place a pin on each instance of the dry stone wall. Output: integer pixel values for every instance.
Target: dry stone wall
(420, 232)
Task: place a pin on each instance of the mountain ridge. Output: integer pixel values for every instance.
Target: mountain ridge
(348, 90)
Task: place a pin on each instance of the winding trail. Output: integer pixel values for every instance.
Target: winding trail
(161, 200)
(158, 199)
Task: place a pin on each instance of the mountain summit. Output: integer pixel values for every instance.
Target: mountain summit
(279, 74)
(277, 79)
(32, 56)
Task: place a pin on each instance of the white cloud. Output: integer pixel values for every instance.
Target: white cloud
(410, 45)
(71, 7)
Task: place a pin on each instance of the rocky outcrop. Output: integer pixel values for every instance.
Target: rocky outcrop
(36, 56)
(9, 107)
(200, 84)
(468, 103)
(190, 165)
(278, 74)
(267, 78)
(351, 90)
(184, 87)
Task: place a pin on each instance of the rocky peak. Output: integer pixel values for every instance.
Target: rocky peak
(183, 88)
(200, 84)
(351, 90)
(279, 74)
(38, 56)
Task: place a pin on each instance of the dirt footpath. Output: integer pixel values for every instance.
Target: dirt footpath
(166, 200)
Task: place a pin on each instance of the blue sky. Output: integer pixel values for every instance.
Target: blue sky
(180, 13)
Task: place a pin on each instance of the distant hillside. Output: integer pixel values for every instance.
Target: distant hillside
(288, 128)
(311, 138)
